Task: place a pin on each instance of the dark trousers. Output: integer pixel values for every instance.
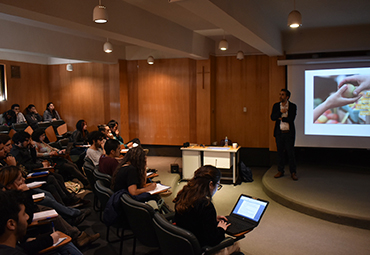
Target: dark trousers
(285, 142)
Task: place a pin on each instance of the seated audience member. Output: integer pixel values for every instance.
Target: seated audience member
(108, 162)
(96, 148)
(131, 175)
(9, 117)
(113, 125)
(12, 179)
(13, 115)
(50, 113)
(65, 167)
(5, 146)
(13, 229)
(79, 137)
(32, 116)
(195, 212)
(105, 130)
(19, 116)
(25, 154)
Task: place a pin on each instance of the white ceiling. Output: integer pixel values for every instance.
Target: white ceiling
(181, 28)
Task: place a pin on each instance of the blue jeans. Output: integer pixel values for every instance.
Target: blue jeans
(49, 201)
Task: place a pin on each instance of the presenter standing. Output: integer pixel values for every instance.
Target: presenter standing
(283, 113)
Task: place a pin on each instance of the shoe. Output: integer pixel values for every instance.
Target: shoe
(279, 174)
(165, 193)
(84, 239)
(294, 177)
(80, 218)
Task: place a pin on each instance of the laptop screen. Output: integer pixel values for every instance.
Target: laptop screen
(250, 208)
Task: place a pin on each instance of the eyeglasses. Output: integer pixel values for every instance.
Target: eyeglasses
(219, 186)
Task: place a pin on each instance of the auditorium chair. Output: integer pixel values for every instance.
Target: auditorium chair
(176, 240)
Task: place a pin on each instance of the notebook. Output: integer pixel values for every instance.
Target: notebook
(246, 214)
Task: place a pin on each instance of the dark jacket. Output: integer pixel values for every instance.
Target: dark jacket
(33, 119)
(276, 114)
(26, 157)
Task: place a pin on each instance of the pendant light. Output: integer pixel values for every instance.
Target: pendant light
(150, 60)
(240, 55)
(100, 14)
(294, 18)
(108, 48)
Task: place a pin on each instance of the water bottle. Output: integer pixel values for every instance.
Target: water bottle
(226, 142)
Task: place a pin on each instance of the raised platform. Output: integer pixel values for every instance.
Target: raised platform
(339, 194)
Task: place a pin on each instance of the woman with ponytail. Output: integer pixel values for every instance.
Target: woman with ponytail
(196, 212)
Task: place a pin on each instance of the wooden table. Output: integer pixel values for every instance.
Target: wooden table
(194, 157)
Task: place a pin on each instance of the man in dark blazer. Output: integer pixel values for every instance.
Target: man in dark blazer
(283, 113)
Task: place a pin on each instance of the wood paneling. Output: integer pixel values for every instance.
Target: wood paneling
(90, 92)
(242, 84)
(162, 92)
(168, 103)
(30, 88)
(203, 103)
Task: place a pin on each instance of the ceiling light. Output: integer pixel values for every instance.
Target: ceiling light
(223, 45)
(294, 18)
(69, 67)
(240, 55)
(100, 14)
(150, 60)
(108, 48)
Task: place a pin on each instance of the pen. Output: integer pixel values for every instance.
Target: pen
(52, 224)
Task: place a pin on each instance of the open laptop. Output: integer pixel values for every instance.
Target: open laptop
(246, 214)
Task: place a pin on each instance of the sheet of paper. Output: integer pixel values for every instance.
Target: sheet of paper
(37, 196)
(61, 239)
(149, 173)
(159, 188)
(34, 184)
(45, 215)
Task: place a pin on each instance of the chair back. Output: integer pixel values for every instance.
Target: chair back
(103, 193)
(105, 178)
(140, 218)
(51, 134)
(62, 129)
(29, 130)
(11, 133)
(173, 239)
(89, 171)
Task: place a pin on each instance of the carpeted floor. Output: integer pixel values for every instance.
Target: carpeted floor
(281, 231)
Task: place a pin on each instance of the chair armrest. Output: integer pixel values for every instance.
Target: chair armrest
(225, 243)
(169, 216)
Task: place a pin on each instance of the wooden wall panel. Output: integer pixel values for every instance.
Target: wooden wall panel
(242, 84)
(123, 97)
(86, 93)
(30, 88)
(163, 97)
(203, 103)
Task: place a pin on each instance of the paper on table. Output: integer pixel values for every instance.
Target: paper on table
(37, 196)
(61, 239)
(149, 173)
(34, 184)
(45, 215)
(159, 188)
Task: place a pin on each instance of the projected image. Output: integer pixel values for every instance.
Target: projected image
(339, 97)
